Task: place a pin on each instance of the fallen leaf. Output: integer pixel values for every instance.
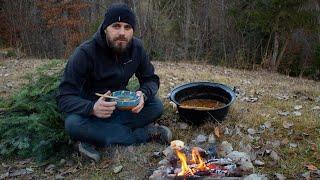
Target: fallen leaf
(296, 113)
(50, 169)
(26, 161)
(293, 145)
(311, 167)
(58, 176)
(285, 141)
(5, 175)
(286, 124)
(217, 132)
(117, 169)
(283, 113)
(298, 107)
(20, 172)
(251, 131)
(313, 146)
(267, 124)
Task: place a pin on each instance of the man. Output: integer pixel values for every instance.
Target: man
(102, 65)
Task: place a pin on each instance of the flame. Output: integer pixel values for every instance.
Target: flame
(196, 159)
(184, 166)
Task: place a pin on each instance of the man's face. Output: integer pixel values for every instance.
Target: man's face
(119, 36)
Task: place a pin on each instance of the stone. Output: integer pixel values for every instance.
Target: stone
(243, 159)
(251, 131)
(182, 125)
(297, 107)
(168, 151)
(164, 162)
(296, 113)
(226, 148)
(280, 176)
(274, 156)
(201, 139)
(258, 163)
(255, 177)
(211, 139)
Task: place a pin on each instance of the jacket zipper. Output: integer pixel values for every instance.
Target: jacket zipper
(119, 62)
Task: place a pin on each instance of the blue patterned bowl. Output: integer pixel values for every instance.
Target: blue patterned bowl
(127, 99)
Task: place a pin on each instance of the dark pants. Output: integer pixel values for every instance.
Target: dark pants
(123, 127)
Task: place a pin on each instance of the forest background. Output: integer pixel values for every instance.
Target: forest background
(279, 35)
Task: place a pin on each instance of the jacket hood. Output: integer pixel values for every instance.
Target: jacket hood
(100, 38)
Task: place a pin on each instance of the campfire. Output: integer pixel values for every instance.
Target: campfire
(195, 164)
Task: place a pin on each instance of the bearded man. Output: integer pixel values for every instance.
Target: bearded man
(105, 64)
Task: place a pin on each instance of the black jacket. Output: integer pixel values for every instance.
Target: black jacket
(93, 67)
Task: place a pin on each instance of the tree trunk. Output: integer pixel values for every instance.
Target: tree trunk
(275, 51)
(187, 28)
(223, 29)
(283, 50)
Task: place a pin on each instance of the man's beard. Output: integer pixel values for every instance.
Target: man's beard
(118, 48)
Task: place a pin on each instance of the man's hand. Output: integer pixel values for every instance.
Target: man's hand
(139, 107)
(102, 108)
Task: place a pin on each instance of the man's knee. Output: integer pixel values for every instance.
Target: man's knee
(72, 121)
(156, 106)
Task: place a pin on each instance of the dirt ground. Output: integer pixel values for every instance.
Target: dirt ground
(287, 108)
(12, 72)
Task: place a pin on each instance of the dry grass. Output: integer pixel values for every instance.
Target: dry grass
(138, 163)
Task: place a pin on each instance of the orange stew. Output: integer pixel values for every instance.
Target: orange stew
(206, 103)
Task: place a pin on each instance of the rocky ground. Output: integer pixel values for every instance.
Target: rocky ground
(275, 121)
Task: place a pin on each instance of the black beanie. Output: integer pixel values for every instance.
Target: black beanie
(119, 13)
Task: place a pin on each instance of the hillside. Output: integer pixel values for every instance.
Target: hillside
(272, 113)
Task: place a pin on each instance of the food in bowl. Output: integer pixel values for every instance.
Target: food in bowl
(126, 99)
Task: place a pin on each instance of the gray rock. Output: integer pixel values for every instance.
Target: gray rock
(255, 177)
(243, 159)
(211, 139)
(296, 113)
(316, 108)
(168, 151)
(251, 131)
(280, 176)
(227, 131)
(258, 163)
(182, 125)
(226, 148)
(59, 176)
(297, 107)
(274, 156)
(283, 113)
(157, 175)
(201, 138)
(293, 145)
(306, 175)
(164, 162)
(267, 124)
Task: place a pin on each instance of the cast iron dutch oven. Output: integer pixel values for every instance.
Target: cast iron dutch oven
(203, 90)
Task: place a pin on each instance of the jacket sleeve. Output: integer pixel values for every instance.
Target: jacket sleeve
(148, 80)
(74, 77)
